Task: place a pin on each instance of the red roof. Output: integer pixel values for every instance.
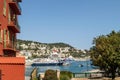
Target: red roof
(12, 60)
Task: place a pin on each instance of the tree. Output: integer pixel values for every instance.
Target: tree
(106, 53)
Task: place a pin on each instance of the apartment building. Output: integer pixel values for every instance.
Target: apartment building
(11, 66)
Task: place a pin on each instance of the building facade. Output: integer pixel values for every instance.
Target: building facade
(11, 66)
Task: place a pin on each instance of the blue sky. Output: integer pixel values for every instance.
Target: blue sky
(75, 22)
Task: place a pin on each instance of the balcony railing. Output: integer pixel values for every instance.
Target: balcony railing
(17, 26)
(15, 6)
(9, 45)
(14, 26)
(19, 0)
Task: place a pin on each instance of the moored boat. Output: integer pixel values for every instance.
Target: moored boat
(47, 63)
(52, 60)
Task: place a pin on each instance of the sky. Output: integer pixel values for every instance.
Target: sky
(75, 22)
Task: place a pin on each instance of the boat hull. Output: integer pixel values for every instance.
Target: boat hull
(46, 64)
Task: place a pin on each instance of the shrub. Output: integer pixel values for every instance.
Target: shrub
(65, 75)
(50, 75)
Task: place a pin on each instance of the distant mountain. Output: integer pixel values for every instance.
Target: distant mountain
(38, 49)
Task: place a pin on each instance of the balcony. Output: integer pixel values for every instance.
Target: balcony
(15, 27)
(9, 46)
(14, 5)
(19, 0)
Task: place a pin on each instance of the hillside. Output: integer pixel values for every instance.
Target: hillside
(38, 49)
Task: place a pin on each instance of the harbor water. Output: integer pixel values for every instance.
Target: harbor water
(74, 67)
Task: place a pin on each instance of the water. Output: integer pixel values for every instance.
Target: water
(74, 67)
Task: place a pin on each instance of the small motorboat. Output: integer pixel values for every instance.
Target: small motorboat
(81, 65)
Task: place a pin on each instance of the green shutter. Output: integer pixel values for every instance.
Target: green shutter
(0, 36)
(8, 37)
(4, 8)
(4, 38)
(9, 16)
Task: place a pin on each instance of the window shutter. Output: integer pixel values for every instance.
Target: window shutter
(1, 35)
(4, 38)
(9, 16)
(4, 8)
(8, 37)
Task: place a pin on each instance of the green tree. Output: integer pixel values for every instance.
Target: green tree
(50, 75)
(106, 53)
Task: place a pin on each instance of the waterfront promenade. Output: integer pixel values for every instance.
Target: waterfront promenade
(103, 78)
(84, 79)
(28, 78)
(79, 79)
(117, 78)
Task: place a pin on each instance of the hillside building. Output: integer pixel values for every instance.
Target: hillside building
(11, 66)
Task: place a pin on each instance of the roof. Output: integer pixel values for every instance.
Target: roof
(12, 60)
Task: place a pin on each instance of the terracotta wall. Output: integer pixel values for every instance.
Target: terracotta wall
(12, 71)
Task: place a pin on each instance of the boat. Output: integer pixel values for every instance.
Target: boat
(66, 63)
(52, 60)
(81, 65)
(47, 62)
(28, 62)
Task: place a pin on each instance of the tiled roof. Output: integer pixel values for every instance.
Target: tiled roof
(12, 60)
